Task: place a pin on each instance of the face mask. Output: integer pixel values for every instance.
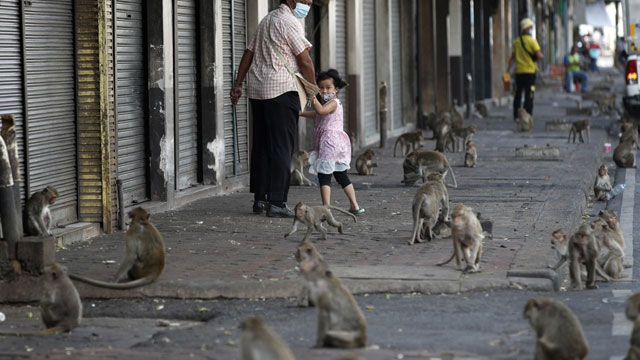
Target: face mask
(301, 10)
(325, 97)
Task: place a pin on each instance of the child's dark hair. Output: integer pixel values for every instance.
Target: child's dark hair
(332, 74)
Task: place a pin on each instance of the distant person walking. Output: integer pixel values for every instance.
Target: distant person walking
(525, 53)
(572, 64)
(275, 103)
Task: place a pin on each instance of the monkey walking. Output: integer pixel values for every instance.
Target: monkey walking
(298, 161)
(258, 342)
(421, 163)
(558, 331)
(603, 183)
(365, 163)
(429, 200)
(410, 141)
(467, 236)
(462, 136)
(577, 127)
(60, 305)
(37, 215)
(632, 311)
(470, 155)
(144, 255)
(314, 216)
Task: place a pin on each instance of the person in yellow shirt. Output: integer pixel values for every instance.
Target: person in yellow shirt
(525, 53)
(572, 70)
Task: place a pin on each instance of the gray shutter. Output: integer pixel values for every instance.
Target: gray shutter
(396, 59)
(131, 85)
(187, 94)
(11, 71)
(242, 109)
(51, 102)
(341, 53)
(369, 71)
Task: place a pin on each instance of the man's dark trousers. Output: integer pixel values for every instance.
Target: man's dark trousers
(275, 124)
(526, 83)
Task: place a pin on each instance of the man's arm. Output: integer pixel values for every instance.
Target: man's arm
(539, 55)
(243, 68)
(306, 66)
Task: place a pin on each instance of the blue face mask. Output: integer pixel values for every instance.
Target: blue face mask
(326, 97)
(301, 10)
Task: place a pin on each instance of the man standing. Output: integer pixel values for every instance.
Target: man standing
(525, 53)
(275, 103)
(572, 63)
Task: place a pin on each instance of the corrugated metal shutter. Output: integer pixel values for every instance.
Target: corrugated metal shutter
(242, 109)
(341, 53)
(396, 59)
(187, 94)
(51, 102)
(369, 71)
(131, 84)
(11, 71)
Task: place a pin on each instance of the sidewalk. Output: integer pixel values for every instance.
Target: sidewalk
(216, 247)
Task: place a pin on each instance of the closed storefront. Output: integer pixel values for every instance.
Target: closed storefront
(369, 71)
(341, 52)
(396, 74)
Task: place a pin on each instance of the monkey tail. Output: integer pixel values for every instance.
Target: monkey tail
(416, 219)
(117, 286)
(455, 183)
(395, 146)
(448, 260)
(355, 219)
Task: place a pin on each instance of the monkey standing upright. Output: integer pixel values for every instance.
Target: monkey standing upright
(258, 342)
(36, 215)
(470, 155)
(144, 255)
(365, 163)
(314, 216)
(466, 234)
(559, 334)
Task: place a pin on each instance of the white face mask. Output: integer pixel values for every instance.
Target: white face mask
(301, 10)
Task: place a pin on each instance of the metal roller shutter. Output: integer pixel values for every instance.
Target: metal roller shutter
(11, 71)
(131, 84)
(369, 71)
(396, 76)
(186, 93)
(341, 52)
(49, 53)
(233, 47)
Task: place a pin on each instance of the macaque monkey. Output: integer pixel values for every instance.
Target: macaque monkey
(298, 161)
(629, 131)
(560, 243)
(419, 164)
(610, 216)
(307, 252)
(482, 109)
(470, 155)
(258, 342)
(314, 216)
(577, 127)
(632, 310)
(365, 163)
(611, 254)
(464, 135)
(144, 255)
(456, 118)
(429, 200)
(525, 121)
(37, 216)
(559, 334)
(410, 141)
(341, 323)
(442, 134)
(603, 183)
(623, 154)
(466, 233)
(583, 249)
(60, 305)
(606, 103)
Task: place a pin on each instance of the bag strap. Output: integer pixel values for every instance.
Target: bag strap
(525, 49)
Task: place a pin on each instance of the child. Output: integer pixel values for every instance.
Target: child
(331, 147)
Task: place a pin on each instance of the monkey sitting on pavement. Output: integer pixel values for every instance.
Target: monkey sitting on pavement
(419, 164)
(144, 255)
(298, 161)
(37, 215)
(314, 216)
(610, 216)
(482, 109)
(60, 305)
(525, 121)
(632, 311)
(258, 342)
(430, 199)
(577, 127)
(470, 155)
(467, 236)
(305, 253)
(611, 254)
(559, 334)
(629, 133)
(410, 141)
(603, 183)
(365, 163)
(623, 155)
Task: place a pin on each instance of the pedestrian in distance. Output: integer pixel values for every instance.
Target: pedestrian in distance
(331, 146)
(572, 62)
(525, 53)
(277, 50)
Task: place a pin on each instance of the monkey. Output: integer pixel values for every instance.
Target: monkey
(583, 249)
(577, 127)
(365, 163)
(465, 135)
(258, 341)
(610, 216)
(298, 162)
(456, 118)
(433, 119)
(603, 183)
(36, 215)
(60, 305)
(313, 216)
(410, 141)
(144, 255)
(606, 103)
(307, 252)
(443, 135)
(611, 254)
(525, 121)
(633, 307)
(466, 233)
(623, 155)
(422, 163)
(341, 323)
(429, 200)
(559, 334)
(470, 156)
(482, 109)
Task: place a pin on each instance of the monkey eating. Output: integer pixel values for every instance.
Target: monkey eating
(410, 141)
(365, 163)
(429, 200)
(298, 161)
(603, 183)
(37, 215)
(577, 127)
(467, 236)
(60, 305)
(314, 216)
(470, 155)
(421, 163)
(144, 255)
(525, 121)
(559, 334)
(258, 342)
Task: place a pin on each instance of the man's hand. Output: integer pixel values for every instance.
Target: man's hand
(236, 93)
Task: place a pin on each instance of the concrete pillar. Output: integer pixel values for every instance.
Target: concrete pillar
(454, 38)
(354, 68)
(468, 49)
(500, 48)
(256, 10)
(479, 48)
(427, 62)
(328, 37)
(384, 53)
(409, 28)
(207, 102)
(442, 55)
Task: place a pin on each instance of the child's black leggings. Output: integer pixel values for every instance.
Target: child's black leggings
(341, 177)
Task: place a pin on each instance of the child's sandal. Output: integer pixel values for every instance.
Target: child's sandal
(360, 211)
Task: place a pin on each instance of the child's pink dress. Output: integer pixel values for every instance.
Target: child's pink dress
(331, 146)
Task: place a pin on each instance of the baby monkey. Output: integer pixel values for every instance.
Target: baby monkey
(603, 183)
(314, 216)
(470, 155)
(525, 121)
(365, 163)
(577, 127)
